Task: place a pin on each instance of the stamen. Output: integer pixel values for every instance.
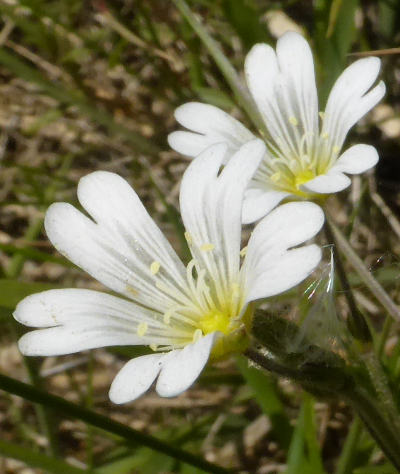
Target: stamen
(155, 267)
(153, 347)
(207, 247)
(167, 317)
(325, 135)
(335, 149)
(322, 115)
(293, 121)
(243, 251)
(276, 176)
(142, 329)
(188, 237)
(197, 335)
(132, 290)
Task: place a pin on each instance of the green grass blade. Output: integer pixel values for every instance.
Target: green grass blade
(131, 436)
(36, 459)
(266, 394)
(337, 19)
(238, 87)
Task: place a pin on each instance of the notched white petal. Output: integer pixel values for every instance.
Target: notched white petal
(270, 265)
(258, 203)
(332, 182)
(135, 378)
(211, 124)
(188, 143)
(356, 159)
(181, 368)
(285, 272)
(63, 340)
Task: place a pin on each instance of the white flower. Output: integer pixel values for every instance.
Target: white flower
(303, 157)
(182, 313)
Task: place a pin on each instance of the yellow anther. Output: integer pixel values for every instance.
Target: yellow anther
(322, 115)
(276, 176)
(167, 317)
(132, 290)
(293, 121)
(153, 347)
(197, 335)
(142, 329)
(207, 247)
(155, 267)
(243, 251)
(325, 135)
(188, 238)
(335, 149)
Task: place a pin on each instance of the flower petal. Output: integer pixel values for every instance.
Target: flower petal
(258, 203)
(119, 249)
(211, 208)
(63, 340)
(182, 367)
(356, 159)
(189, 143)
(285, 272)
(214, 126)
(297, 64)
(96, 311)
(135, 378)
(267, 266)
(332, 182)
(350, 100)
(283, 87)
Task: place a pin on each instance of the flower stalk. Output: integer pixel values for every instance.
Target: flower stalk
(309, 376)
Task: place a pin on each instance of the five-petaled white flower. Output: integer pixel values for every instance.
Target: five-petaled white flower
(303, 158)
(183, 313)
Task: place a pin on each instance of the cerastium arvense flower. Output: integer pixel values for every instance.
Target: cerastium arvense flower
(303, 157)
(183, 313)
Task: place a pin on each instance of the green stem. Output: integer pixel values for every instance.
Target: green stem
(378, 425)
(358, 265)
(346, 460)
(236, 84)
(381, 427)
(131, 436)
(380, 382)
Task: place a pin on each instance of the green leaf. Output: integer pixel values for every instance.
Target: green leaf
(13, 291)
(338, 19)
(143, 460)
(304, 452)
(36, 459)
(34, 254)
(214, 97)
(244, 16)
(381, 469)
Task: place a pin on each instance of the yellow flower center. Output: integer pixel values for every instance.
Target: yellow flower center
(215, 321)
(303, 177)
